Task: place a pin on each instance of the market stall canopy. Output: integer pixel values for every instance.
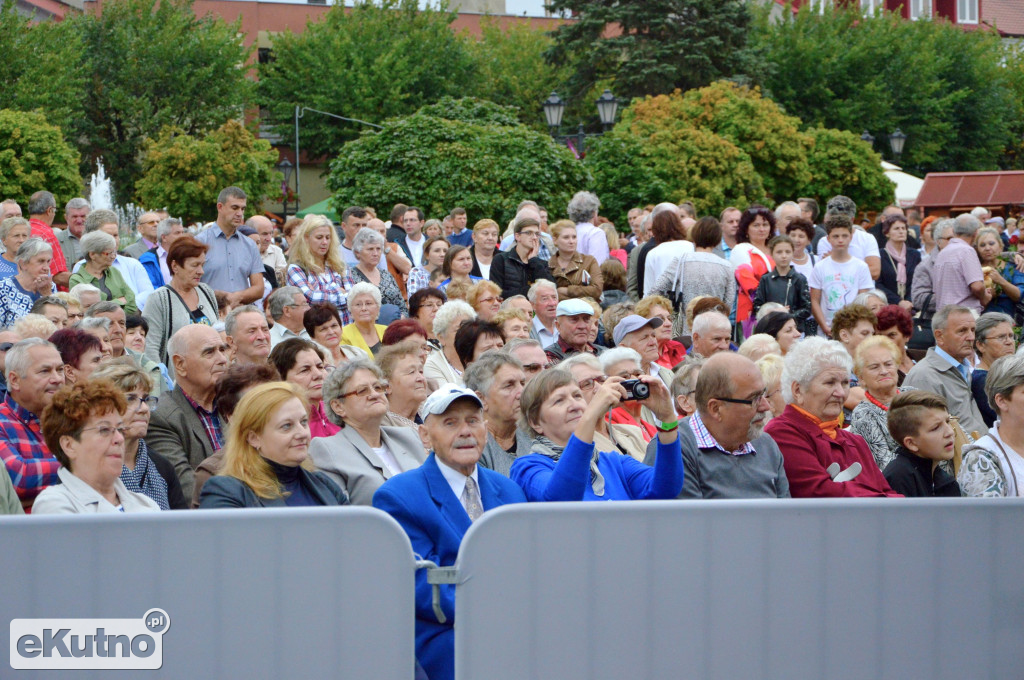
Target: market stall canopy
(970, 189)
(907, 185)
(322, 208)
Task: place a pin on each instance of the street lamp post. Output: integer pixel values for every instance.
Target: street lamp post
(897, 138)
(554, 109)
(285, 167)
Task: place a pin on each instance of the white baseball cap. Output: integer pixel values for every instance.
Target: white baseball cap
(441, 398)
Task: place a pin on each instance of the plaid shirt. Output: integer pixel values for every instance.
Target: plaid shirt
(330, 286)
(29, 462)
(706, 441)
(211, 423)
(419, 278)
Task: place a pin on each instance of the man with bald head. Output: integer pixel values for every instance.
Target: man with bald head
(725, 450)
(270, 253)
(185, 428)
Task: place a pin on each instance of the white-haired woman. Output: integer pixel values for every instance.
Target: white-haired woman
(759, 345)
(822, 459)
(444, 366)
(994, 465)
(315, 265)
(625, 363)
(19, 292)
(587, 371)
(872, 299)
(13, 232)
(876, 365)
(368, 246)
(100, 249)
(364, 453)
(364, 332)
(770, 366)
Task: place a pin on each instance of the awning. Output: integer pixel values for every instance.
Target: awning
(907, 186)
(322, 208)
(970, 189)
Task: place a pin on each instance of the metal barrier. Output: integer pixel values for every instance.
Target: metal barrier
(275, 593)
(864, 589)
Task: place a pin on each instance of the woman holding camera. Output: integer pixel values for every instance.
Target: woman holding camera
(565, 465)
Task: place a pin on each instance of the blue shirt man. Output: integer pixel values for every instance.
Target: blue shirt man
(233, 263)
(436, 504)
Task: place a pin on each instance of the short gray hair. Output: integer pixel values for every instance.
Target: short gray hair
(862, 298)
(40, 202)
(940, 226)
(97, 218)
(986, 322)
(842, 205)
(231, 321)
(941, 318)
(785, 204)
(366, 237)
(10, 223)
(76, 204)
(91, 323)
(178, 344)
(515, 343)
(708, 321)
(97, 242)
(230, 192)
(614, 355)
(583, 206)
(18, 360)
(506, 305)
(809, 357)
(449, 312)
(479, 375)
(364, 288)
(531, 295)
(682, 378)
(1005, 374)
(966, 225)
(30, 248)
(281, 298)
(334, 385)
(165, 227)
(102, 307)
(580, 359)
(79, 288)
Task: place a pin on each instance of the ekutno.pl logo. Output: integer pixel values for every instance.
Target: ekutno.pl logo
(101, 644)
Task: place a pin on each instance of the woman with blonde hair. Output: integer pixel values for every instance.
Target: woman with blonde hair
(575, 274)
(770, 366)
(265, 460)
(875, 364)
(484, 248)
(315, 265)
(485, 298)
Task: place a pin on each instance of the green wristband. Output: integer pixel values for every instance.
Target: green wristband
(668, 427)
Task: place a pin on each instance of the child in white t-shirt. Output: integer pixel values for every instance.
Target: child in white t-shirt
(839, 278)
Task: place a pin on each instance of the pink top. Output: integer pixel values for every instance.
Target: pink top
(319, 426)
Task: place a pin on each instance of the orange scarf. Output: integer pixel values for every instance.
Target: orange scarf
(829, 427)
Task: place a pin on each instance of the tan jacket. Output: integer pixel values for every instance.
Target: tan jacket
(572, 277)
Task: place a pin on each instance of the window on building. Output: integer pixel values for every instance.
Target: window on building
(870, 6)
(920, 9)
(967, 11)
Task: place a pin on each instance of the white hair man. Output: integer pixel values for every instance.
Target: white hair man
(958, 278)
(287, 305)
(498, 379)
(74, 217)
(543, 295)
(248, 335)
(711, 334)
(146, 226)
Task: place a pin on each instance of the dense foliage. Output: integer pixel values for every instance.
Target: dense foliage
(34, 156)
(456, 153)
(184, 173)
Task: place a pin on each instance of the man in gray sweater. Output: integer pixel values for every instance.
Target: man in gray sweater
(725, 450)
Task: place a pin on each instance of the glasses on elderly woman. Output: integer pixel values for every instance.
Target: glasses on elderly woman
(364, 391)
(137, 402)
(105, 431)
(590, 383)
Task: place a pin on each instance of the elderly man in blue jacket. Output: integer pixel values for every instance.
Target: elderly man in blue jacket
(437, 502)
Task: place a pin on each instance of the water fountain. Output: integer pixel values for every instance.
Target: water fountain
(100, 195)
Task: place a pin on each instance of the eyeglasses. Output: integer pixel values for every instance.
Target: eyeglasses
(431, 305)
(489, 300)
(631, 374)
(1005, 337)
(746, 402)
(531, 232)
(4, 346)
(591, 383)
(149, 400)
(105, 431)
(364, 391)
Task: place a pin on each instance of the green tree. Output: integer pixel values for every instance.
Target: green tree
(772, 140)
(441, 157)
(41, 68)
(652, 46)
(34, 156)
(369, 62)
(943, 86)
(842, 163)
(153, 64)
(511, 68)
(184, 173)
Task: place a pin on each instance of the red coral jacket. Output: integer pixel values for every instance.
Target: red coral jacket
(807, 451)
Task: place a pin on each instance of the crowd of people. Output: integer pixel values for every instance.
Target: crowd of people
(437, 370)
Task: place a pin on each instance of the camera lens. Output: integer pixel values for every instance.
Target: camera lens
(641, 391)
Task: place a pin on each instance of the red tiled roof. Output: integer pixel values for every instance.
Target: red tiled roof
(969, 189)
(1006, 15)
